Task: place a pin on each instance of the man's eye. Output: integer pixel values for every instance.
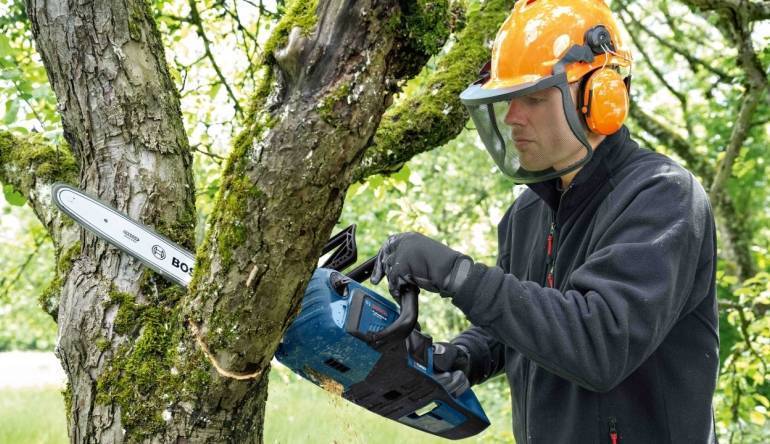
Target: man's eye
(534, 100)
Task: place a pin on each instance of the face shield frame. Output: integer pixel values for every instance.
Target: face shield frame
(480, 101)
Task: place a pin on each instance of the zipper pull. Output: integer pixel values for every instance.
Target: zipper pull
(613, 431)
(549, 248)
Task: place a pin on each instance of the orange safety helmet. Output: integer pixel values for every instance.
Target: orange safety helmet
(551, 43)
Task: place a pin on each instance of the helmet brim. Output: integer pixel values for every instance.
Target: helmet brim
(476, 94)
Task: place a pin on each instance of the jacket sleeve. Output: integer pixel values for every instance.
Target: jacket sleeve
(644, 253)
(487, 354)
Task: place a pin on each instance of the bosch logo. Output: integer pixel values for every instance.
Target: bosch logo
(158, 252)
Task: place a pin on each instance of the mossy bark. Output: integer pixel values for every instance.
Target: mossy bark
(30, 164)
(127, 145)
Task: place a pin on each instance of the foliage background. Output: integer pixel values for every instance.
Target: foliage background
(687, 78)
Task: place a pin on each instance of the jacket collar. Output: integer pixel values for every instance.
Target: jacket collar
(607, 157)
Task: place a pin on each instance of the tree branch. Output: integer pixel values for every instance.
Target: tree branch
(736, 22)
(195, 19)
(652, 65)
(740, 131)
(753, 11)
(31, 165)
(433, 115)
(678, 144)
(328, 75)
(691, 59)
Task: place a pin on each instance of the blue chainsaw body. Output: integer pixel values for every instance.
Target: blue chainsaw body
(329, 343)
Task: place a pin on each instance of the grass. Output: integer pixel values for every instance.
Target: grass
(32, 416)
(297, 412)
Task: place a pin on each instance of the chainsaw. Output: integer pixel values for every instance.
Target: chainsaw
(347, 338)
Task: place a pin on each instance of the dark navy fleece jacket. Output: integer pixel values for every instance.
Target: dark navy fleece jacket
(627, 340)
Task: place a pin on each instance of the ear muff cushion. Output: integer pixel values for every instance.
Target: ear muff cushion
(605, 101)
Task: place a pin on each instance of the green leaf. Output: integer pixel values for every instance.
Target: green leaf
(214, 90)
(5, 47)
(12, 196)
(11, 110)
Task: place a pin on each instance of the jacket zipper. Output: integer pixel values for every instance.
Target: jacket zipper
(550, 260)
(614, 438)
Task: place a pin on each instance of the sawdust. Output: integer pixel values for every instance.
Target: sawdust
(325, 382)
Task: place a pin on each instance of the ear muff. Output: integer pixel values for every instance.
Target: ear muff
(604, 101)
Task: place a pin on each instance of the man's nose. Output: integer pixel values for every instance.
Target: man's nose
(515, 114)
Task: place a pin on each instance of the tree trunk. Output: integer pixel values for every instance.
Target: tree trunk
(145, 360)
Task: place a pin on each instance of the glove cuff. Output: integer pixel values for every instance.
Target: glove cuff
(461, 269)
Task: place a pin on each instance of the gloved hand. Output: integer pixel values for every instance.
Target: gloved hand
(456, 383)
(450, 357)
(411, 258)
(452, 363)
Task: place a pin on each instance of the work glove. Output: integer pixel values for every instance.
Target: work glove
(450, 357)
(411, 258)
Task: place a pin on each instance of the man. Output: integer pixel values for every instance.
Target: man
(602, 308)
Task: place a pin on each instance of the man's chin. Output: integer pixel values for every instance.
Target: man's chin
(532, 166)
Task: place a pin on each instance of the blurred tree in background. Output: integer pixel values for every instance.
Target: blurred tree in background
(700, 94)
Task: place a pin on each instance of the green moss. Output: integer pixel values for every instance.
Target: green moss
(25, 160)
(147, 374)
(67, 395)
(338, 97)
(181, 229)
(421, 29)
(231, 213)
(302, 14)
(427, 24)
(49, 298)
(64, 264)
(128, 311)
(102, 344)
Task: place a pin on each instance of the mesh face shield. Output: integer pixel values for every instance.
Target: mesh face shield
(488, 109)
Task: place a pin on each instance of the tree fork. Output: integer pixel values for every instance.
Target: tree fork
(327, 82)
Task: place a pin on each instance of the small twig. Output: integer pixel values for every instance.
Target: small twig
(196, 20)
(22, 269)
(217, 158)
(744, 328)
(21, 94)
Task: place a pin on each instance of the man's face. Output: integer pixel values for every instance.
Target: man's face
(540, 132)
